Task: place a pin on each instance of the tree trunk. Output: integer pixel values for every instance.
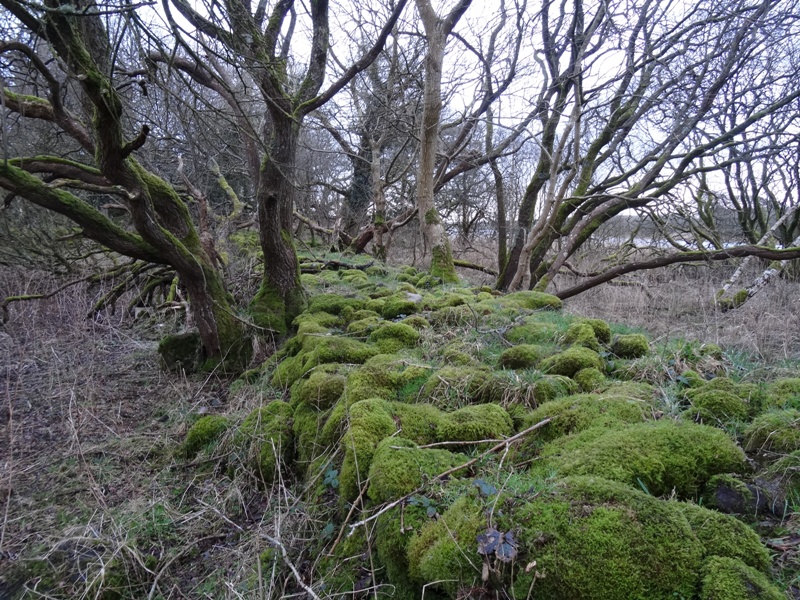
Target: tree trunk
(281, 297)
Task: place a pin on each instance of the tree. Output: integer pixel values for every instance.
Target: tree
(260, 44)
(84, 100)
(615, 140)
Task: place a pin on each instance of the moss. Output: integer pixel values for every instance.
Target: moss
(307, 424)
(691, 379)
(429, 281)
(204, 432)
(532, 333)
(453, 315)
(473, 423)
(266, 438)
(393, 532)
(353, 276)
(784, 393)
(523, 356)
(370, 422)
(268, 310)
(723, 535)
(572, 360)
(590, 379)
(406, 278)
(550, 387)
(532, 300)
(634, 345)
(398, 467)
(776, 431)
(729, 494)
(460, 385)
(753, 396)
(577, 413)
(288, 371)
(319, 319)
(582, 334)
(664, 456)
(363, 327)
(181, 351)
(321, 390)
(453, 356)
(394, 336)
(336, 349)
(713, 406)
(444, 549)
(334, 303)
(601, 329)
(730, 579)
(417, 322)
(442, 263)
(395, 306)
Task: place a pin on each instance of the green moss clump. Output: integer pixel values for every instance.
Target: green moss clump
(590, 379)
(204, 432)
(417, 322)
(582, 334)
(353, 276)
(532, 300)
(453, 315)
(724, 535)
(266, 438)
(691, 379)
(321, 390)
(393, 532)
(382, 376)
(634, 345)
(776, 431)
(363, 327)
(550, 387)
(336, 349)
(730, 579)
(288, 371)
(717, 406)
(398, 467)
(601, 329)
(460, 385)
(181, 351)
(394, 336)
(664, 456)
(442, 551)
(333, 304)
(729, 494)
(532, 333)
(577, 413)
(307, 424)
(572, 360)
(397, 305)
(784, 393)
(370, 422)
(523, 356)
(473, 423)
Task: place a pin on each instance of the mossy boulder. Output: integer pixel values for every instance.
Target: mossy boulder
(751, 394)
(399, 467)
(532, 333)
(634, 345)
(394, 336)
(531, 300)
(729, 494)
(205, 431)
(384, 376)
(784, 393)
(590, 379)
(334, 303)
(266, 438)
(399, 305)
(473, 423)
(572, 360)
(447, 545)
(662, 456)
(454, 386)
(181, 351)
(724, 535)
(370, 422)
(726, 578)
(579, 412)
(523, 356)
(715, 406)
(321, 390)
(601, 329)
(363, 327)
(774, 431)
(582, 334)
(307, 425)
(417, 322)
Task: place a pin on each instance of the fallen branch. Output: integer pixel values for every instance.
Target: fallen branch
(475, 267)
(440, 476)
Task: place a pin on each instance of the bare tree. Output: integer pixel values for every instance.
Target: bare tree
(83, 98)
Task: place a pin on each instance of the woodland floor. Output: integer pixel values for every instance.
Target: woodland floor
(89, 422)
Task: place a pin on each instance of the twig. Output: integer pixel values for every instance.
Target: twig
(469, 463)
(295, 572)
(456, 443)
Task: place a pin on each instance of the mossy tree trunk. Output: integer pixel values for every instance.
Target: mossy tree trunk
(164, 232)
(432, 228)
(263, 42)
